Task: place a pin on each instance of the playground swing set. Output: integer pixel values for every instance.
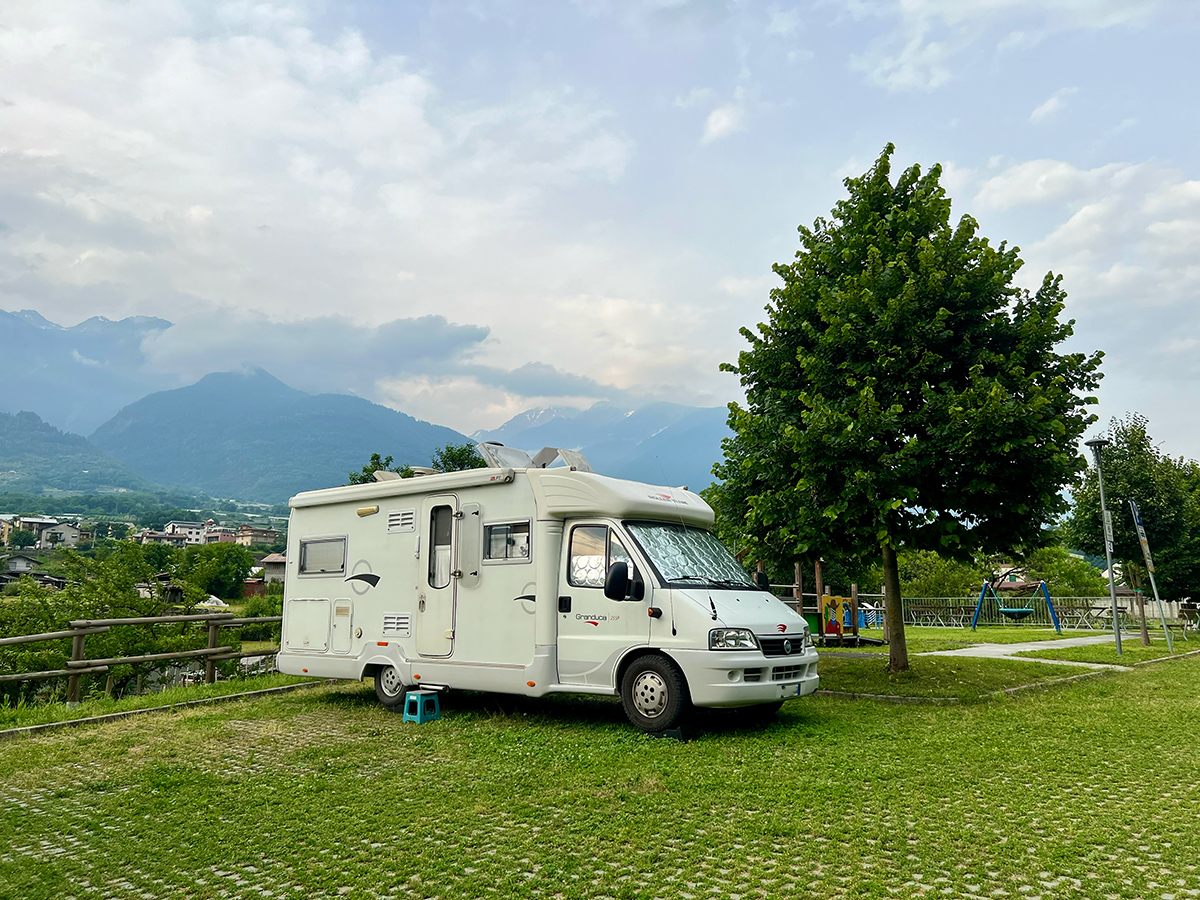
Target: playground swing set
(1015, 608)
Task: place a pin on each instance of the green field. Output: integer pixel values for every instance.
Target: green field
(1087, 790)
(1131, 646)
(962, 678)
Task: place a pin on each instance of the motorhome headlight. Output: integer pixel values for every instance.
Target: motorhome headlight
(731, 639)
(808, 641)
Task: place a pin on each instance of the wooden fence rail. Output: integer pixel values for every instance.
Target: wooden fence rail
(80, 665)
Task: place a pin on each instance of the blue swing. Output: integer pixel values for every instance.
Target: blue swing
(1013, 612)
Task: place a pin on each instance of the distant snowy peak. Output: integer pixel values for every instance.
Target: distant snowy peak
(523, 421)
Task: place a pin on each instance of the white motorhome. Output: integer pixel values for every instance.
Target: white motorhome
(525, 579)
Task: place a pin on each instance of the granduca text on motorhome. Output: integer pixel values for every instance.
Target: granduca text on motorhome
(521, 578)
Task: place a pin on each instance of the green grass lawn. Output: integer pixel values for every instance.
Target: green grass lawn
(58, 712)
(922, 639)
(323, 794)
(962, 677)
(1131, 645)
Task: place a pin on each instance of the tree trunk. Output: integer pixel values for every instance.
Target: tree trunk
(1136, 578)
(894, 612)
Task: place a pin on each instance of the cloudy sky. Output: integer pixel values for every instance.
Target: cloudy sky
(463, 209)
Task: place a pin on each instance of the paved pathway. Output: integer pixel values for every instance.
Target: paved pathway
(1008, 651)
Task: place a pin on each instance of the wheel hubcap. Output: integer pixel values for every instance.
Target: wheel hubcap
(389, 680)
(650, 694)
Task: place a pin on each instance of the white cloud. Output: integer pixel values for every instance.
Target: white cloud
(927, 36)
(1126, 248)
(783, 22)
(236, 159)
(1053, 106)
(722, 122)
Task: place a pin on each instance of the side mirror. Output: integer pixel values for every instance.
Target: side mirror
(760, 578)
(616, 582)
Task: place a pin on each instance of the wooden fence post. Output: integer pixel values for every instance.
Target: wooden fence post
(854, 608)
(210, 665)
(73, 680)
(820, 586)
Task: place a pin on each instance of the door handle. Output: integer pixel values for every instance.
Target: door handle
(564, 604)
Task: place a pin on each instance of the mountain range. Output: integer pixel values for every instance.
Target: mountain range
(248, 436)
(35, 456)
(75, 378)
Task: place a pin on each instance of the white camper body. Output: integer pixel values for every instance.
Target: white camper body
(493, 579)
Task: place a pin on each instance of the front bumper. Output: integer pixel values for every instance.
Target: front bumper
(722, 678)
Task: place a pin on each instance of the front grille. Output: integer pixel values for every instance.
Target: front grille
(773, 645)
(752, 675)
(787, 673)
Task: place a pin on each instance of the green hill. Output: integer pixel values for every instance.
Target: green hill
(250, 436)
(35, 456)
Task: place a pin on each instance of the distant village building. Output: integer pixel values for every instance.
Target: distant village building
(274, 566)
(248, 534)
(20, 564)
(193, 531)
(216, 534)
(160, 537)
(60, 534)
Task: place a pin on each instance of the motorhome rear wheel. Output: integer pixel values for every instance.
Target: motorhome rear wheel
(389, 687)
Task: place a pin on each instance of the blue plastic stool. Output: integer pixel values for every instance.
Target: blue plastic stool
(421, 706)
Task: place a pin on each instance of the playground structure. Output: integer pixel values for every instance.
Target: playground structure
(1016, 608)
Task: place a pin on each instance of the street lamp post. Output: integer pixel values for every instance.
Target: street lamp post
(1097, 445)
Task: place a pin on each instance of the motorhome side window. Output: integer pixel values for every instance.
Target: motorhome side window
(441, 519)
(593, 549)
(323, 557)
(509, 542)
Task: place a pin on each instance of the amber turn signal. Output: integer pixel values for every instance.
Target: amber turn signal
(654, 612)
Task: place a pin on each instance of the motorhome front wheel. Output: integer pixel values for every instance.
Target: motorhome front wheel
(389, 687)
(654, 694)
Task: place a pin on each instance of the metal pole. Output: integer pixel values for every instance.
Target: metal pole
(1097, 446)
(1141, 532)
(1162, 614)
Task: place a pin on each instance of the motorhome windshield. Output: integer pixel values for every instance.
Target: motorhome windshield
(685, 555)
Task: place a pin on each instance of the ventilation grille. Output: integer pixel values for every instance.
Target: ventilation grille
(787, 673)
(341, 611)
(399, 624)
(402, 521)
(752, 675)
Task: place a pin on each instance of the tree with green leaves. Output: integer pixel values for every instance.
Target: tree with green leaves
(904, 393)
(1167, 492)
(456, 457)
(219, 569)
(21, 538)
(378, 464)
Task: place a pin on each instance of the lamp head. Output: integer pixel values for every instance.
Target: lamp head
(1097, 444)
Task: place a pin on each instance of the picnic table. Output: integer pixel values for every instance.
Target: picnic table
(1083, 616)
(941, 616)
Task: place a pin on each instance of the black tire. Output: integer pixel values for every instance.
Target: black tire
(390, 687)
(655, 694)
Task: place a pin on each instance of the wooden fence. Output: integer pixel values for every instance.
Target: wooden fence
(79, 665)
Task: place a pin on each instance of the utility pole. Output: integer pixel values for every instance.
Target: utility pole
(1098, 445)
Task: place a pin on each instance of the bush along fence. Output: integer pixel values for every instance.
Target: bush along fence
(78, 666)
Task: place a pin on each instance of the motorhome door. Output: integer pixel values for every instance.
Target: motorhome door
(437, 580)
(594, 631)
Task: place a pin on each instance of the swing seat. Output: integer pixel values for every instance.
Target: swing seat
(1016, 614)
